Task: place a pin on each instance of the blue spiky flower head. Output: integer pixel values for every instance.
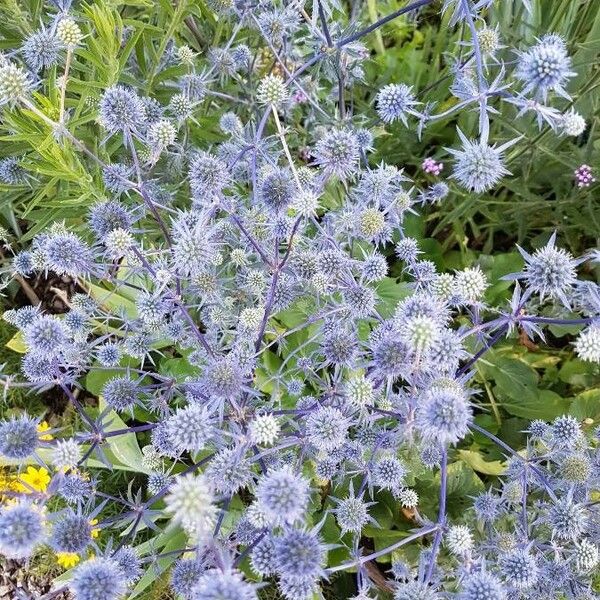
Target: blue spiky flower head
(41, 49)
(282, 495)
(395, 101)
(479, 166)
(98, 579)
(519, 568)
(299, 553)
(22, 528)
(444, 415)
(482, 585)
(215, 584)
(45, 336)
(337, 152)
(18, 437)
(549, 272)
(545, 67)
(121, 109)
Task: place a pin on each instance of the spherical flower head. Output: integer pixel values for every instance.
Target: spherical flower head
(299, 553)
(482, 585)
(185, 575)
(374, 267)
(574, 468)
(478, 166)
(71, 533)
(565, 433)
(208, 174)
(191, 503)
(444, 415)
(359, 391)
(519, 569)
(360, 300)
(282, 496)
(352, 514)
(190, 428)
(129, 563)
(306, 203)
(230, 123)
(45, 336)
(550, 272)
(11, 171)
(18, 437)
(277, 189)
(262, 557)
(569, 520)
(107, 216)
(545, 67)
(587, 344)
(162, 134)
(121, 109)
(121, 393)
(22, 528)
(75, 488)
(298, 588)
(264, 430)
(407, 250)
(337, 152)
(489, 40)
(415, 590)
(326, 428)
(98, 579)
(241, 55)
(272, 91)
(572, 123)
(229, 471)
(470, 285)
(339, 347)
(15, 83)
(118, 243)
(394, 102)
(185, 55)
(389, 472)
(407, 497)
(67, 254)
(459, 540)
(66, 454)
(218, 585)
(420, 332)
(41, 50)
(390, 355)
(68, 33)
(586, 555)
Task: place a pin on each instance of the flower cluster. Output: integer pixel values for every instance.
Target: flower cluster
(236, 303)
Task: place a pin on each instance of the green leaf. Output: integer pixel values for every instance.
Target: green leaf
(586, 405)
(17, 343)
(545, 405)
(112, 301)
(476, 461)
(125, 447)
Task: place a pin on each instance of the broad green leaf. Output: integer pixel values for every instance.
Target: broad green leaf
(17, 343)
(124, 447)
(476, 461)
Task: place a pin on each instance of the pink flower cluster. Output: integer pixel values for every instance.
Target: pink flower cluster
(583, 176)
(430, 166)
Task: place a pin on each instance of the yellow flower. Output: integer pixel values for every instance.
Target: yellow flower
(35, 479)
(67, 559)
(43, 426)
(8, 483)
(96, 531)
